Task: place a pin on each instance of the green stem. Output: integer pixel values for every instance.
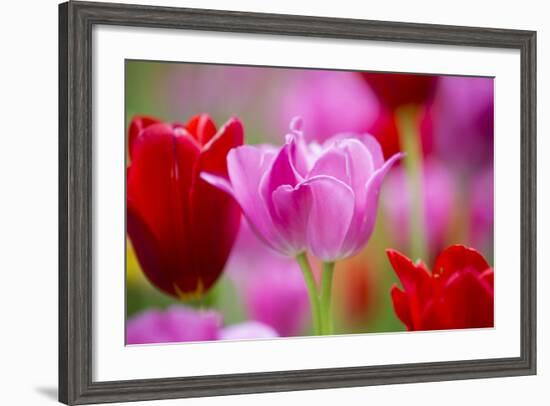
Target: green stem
(312, 291)
(326, 295)
(409, 135)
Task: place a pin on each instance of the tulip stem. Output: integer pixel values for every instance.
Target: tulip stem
(326, 295)
(407, 118)
(312, 291)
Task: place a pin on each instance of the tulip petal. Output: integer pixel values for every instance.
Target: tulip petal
(147, 250)
(488, 276)
(212, 207)
(401, 307)
(334, 163)
(413, 278)
(365, 216)
(375, 150)
(219, 182)
(213, 157)
(417, 285)
(138, 124)
(468, 302)
(162, 167)
(158, 184)
(456, 258)
(360, 167)
(247, 167)
(202, 128)
(330, 216)
(291, 210)
(281, 172)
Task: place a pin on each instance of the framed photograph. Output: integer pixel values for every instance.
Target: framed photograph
(259, 202)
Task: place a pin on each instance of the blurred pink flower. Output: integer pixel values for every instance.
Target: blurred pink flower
(329, 102)
(439, 198)
(271, 285)
(319, 198)
(175, 324)
(247, 330)
(463, 121)
(183, 324)
(482, 208)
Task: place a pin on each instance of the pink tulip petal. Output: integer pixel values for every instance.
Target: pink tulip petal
(361, 229)
(375, 149)
(281, 172)
(330, 216)
(218, 181)
(291, 209)
(248, 167)
(361, 166)
(334, 163)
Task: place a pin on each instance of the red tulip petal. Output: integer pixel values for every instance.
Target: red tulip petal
(214, 154)
(412, 276)
(488, 276)
(147, 250)
(138, 124)
(202, 128)
(468, 301)
(457, 258)
(158, 184)
(431, 317)
(401, 307)
(417, 284)
(215, 215)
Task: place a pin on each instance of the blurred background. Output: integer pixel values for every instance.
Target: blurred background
(452, 151)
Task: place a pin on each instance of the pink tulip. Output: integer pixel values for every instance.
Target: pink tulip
(179, 324)
(309, 197)
(175, 324)
(247, 330)
(329, 102)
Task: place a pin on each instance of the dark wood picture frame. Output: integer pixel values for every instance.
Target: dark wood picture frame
(76, 20)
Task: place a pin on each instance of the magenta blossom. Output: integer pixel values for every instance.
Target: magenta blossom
(329, 102)
(309, 197)
(247, 330)
(463, 115)
(179, 324)
(482, 208)
(270, 284)
(175, 324)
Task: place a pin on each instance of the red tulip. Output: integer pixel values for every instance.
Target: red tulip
(182, 229)
(458, 293)
(384, 129)
(397, 89)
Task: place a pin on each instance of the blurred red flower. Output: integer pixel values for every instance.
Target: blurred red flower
(398, 89)
(384, 129)
(182, 229)
(458, 293)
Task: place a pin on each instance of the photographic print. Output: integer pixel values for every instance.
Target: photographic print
(267, 202)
